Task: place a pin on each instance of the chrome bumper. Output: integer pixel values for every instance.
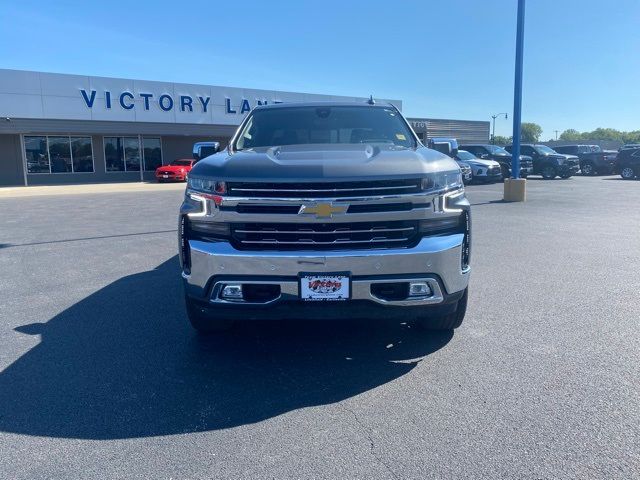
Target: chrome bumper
(436, 260)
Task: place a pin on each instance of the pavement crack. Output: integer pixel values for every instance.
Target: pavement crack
(372, 444)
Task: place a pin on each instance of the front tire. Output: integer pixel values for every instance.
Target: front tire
(449, 321)
(549, 172)
(203, 321)
(628, 173)
(588, 169)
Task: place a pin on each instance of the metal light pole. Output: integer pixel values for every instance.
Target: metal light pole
(515, 188)
(493, 134)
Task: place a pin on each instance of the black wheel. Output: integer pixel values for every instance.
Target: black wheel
(450, 321)
(524, 175)
(549, 172)
(203, 321)
(627, 173)
(588, 169)
(565, 176)
(505, 173)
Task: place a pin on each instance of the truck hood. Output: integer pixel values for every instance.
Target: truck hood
(322, 162)
(508, 156)
(483, 163)
(561, 156)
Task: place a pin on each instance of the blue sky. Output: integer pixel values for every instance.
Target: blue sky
(443, 58)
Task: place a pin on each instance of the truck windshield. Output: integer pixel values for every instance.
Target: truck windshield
(330, 124)
(464, 155)
(497, 150)
(544, 149)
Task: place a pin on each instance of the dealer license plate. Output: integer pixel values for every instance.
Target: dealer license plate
(324, 287)
(165, 176)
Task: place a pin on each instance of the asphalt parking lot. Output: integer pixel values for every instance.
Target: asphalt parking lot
(101, 376)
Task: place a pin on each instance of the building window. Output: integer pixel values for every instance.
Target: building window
(113, 154)
(37, 154)
(122, 154)
(131, 154)
(152, 148)
(82, 154)
(58, 154)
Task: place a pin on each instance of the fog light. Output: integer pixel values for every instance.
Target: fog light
(232, 292)
(419, 289)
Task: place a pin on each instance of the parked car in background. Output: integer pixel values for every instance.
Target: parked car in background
(500, 155)
(448, 146)
(204, 149)
(176, 171)
(613, 154)
(593, 160)
(482, 170)
(465, 170)
(628, 163)
(548, 163)
(629, 146)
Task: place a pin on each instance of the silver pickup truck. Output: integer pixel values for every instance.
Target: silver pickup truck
(325, 210)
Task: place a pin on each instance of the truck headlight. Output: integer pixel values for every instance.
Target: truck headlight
(442, 181)
(206, 185)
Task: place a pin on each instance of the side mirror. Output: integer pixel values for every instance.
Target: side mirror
(204, 149)
(484, 156)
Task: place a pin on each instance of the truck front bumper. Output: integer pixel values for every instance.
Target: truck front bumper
(435, 260)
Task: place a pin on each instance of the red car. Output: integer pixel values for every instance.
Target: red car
(176, 170)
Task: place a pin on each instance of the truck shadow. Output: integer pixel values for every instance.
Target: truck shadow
(123, 363)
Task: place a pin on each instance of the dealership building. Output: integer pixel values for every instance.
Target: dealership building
(62, 129)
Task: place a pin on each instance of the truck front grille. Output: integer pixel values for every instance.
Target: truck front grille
(324, 236)
(323, 190)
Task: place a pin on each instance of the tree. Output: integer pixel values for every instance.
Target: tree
(570, 135)
(530, 132)
(602, 134)
(605, 134)
(500, 140)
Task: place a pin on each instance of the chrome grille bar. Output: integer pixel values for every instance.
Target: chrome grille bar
(332, 232)
(327, 189)
(315, 236)
(315, 242)
(324, 190)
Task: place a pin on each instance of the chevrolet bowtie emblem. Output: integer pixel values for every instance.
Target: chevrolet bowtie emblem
(323, 210)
